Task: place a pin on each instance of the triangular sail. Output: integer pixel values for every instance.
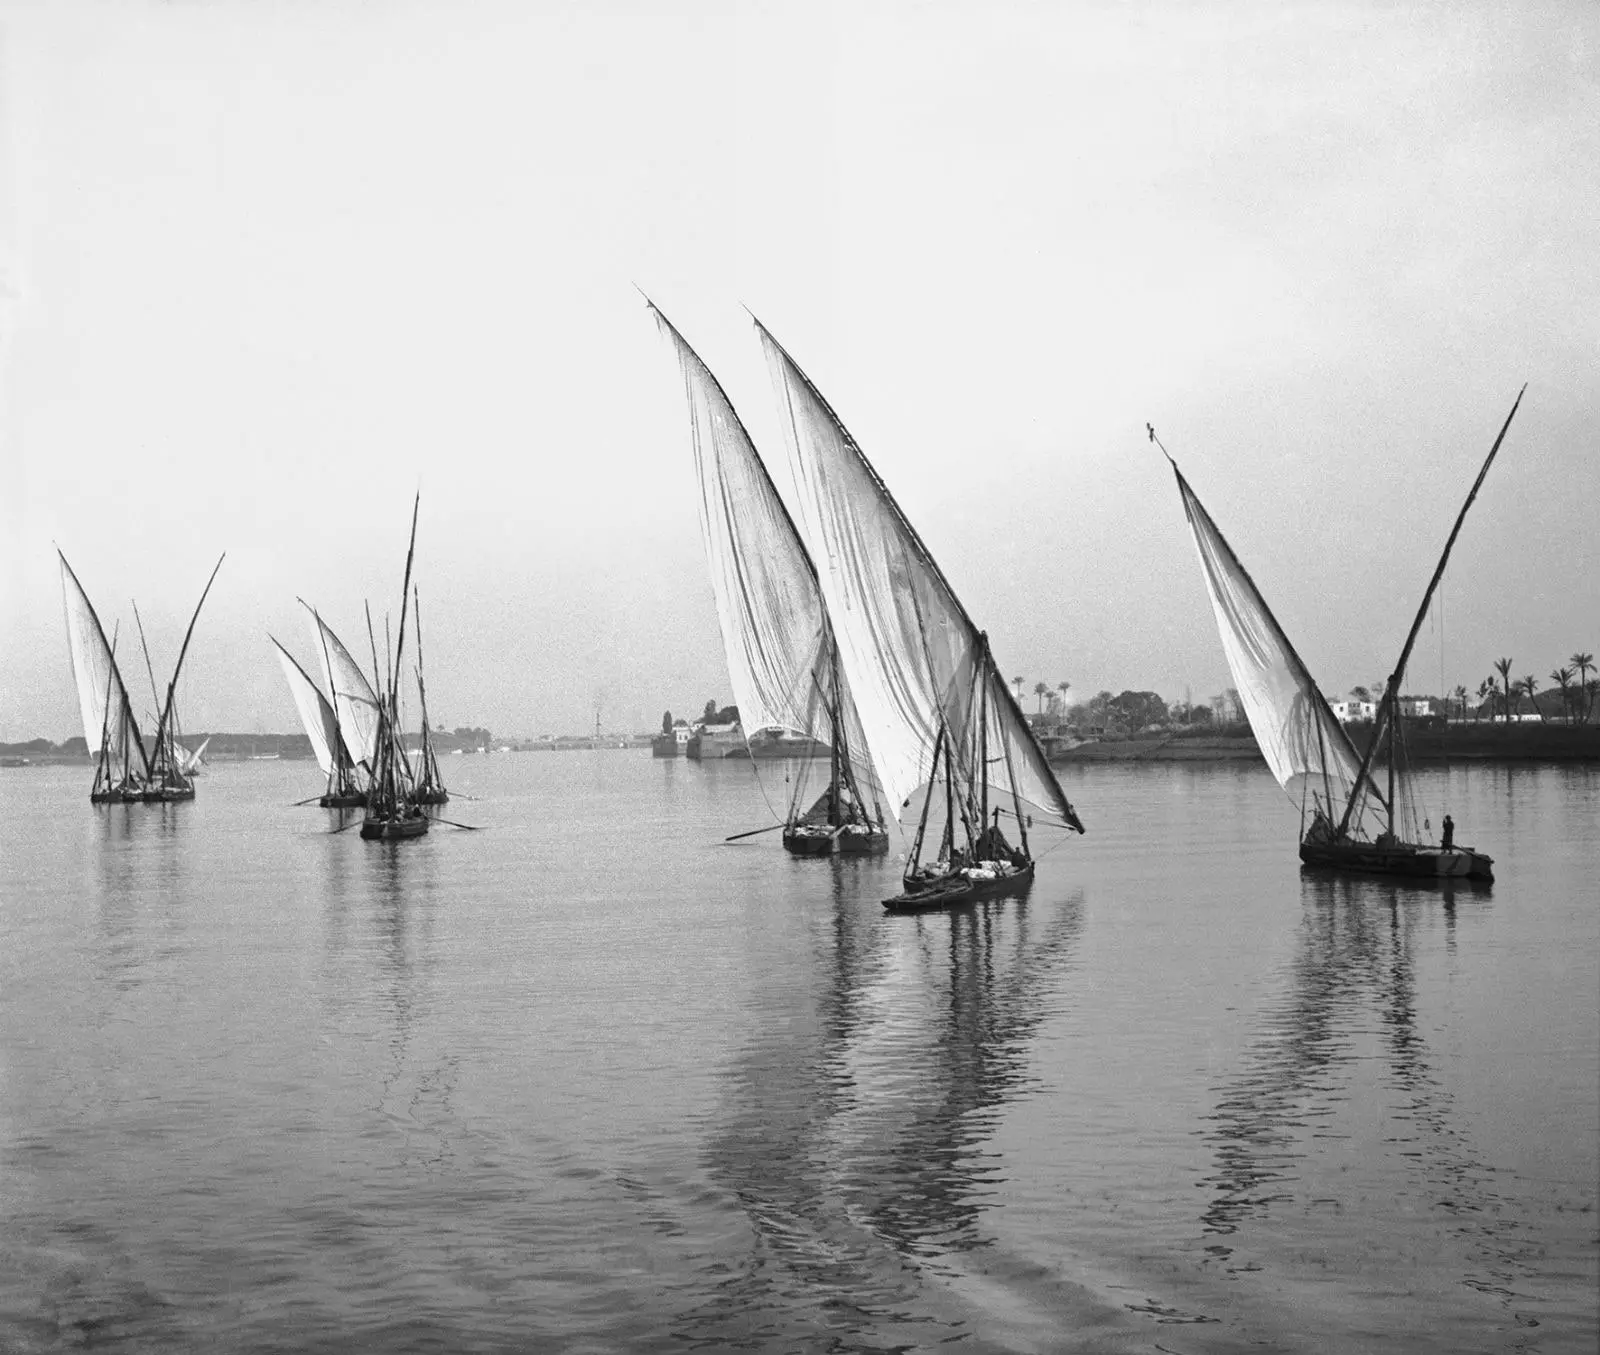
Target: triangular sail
(782, 655)
(102, 699)
(765, 585)
(355, 703)
(316, 714)
(914, 660)
(1305, 747)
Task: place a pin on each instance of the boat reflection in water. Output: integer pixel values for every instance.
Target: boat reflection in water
(1339, 1091)
(854, 1129)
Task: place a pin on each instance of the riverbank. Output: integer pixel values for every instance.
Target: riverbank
(1470, 742)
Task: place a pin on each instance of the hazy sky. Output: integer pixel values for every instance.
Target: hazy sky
(267, 268)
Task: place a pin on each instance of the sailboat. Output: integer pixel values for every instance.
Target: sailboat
(392, 808)
(355, 703)
(430, 785)
(122, 768)
(126, 768)
(783, 659)
(947, 740)
(1348, 821)
(343, 789)
(169, 779)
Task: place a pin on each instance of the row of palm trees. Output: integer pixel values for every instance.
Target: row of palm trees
(1578, 690)
(1041, 690)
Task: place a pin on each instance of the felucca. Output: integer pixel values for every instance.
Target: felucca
(948, 743)
(343, 789)
(392, 807)
(783, 659)
(1348, 821)
(127, 770)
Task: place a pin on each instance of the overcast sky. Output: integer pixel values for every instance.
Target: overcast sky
(268, 268)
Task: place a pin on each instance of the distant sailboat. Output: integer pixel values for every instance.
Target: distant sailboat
(942, 727)
(127, 769)
(355, 703)
(343, 789)
(782, 656)
(392, 808)
(1348, 822)
(430, 785)
(169, 778)
(122, 768)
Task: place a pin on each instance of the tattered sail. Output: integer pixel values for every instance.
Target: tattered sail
(354, 700)
(316, 714)
(102, 699)
(919, 670)
(1305, 747)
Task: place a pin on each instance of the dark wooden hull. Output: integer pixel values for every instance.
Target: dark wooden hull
(1403, 858)
(140, 797)
(827, 844)
(438, 796)
(353, 799)
(391, 830)
(951, 891)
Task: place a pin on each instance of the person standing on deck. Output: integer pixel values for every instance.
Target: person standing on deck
(1449, 833)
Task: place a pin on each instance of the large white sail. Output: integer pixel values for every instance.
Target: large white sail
(352, 695)
(913, 658)
(315, 712)
(1304, 745)
(767, 597)
(102, 699)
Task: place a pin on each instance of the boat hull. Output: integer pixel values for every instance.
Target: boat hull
(431, 797)
(355, 799)
(391, 830)
(951, 891)
(802, 843)
(1430, 863)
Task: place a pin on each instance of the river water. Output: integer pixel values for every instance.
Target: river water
(590, 1080)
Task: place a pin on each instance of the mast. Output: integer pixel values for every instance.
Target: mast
(172, 687)
(1392, 695)
(149, 668)
(1039, 764)
(984, 665)
(341, 752)
(129, 724)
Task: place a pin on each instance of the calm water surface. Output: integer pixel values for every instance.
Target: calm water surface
(590, 1080)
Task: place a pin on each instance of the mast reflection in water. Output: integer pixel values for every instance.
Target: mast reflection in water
(1288, 1130)
(854, 1131)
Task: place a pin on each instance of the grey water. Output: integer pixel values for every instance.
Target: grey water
(592, 1080)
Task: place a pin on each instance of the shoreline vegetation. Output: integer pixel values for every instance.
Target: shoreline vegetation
(1426, 742)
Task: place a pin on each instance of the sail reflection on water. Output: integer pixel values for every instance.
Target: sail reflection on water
(854, 1130)
(1292, 1128)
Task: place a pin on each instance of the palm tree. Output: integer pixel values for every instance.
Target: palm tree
(1591, 689)
(1488, 689)
(1583, 663)
(1503, 667)
(1563, 678)
(1018, 682)
(1460, 695)
(1039, 690)
(1530, 684)
(1063, 687)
